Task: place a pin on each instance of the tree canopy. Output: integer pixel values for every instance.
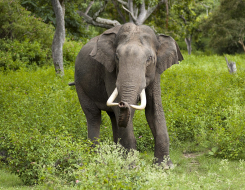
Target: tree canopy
(226, 26)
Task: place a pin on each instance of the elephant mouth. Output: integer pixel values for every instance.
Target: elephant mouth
(137, 107)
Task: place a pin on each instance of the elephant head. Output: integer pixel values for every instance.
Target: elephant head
(135, 54)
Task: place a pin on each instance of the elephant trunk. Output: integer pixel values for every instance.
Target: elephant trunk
(124, 114)
(138, 107)
(124, 107)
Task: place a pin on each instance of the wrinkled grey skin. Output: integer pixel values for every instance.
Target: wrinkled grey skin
(130, 58)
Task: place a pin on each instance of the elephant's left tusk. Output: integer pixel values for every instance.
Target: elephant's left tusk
(143, 101)
(112, 98)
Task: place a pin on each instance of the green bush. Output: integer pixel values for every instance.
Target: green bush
(24, 39)
(15, 54)
(203, 103)
(18, 23)
(35, 124)
(70, 51)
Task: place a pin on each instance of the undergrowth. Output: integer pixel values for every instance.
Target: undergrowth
(43, 129)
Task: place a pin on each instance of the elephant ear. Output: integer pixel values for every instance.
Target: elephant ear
(104, 49)
(168, 53)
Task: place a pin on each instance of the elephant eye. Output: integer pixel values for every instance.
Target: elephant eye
(149, 58)
(117, 58)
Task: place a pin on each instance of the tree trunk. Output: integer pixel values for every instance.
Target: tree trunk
(188, 43)
(59, 36)
(243, 46)
(231, 66)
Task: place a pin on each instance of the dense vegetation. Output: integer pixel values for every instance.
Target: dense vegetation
(225, 27)
(43, 133)
(42, 121)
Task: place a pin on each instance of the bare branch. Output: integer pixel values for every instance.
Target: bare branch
(95, 19)
(131, 14)
(131, 11)
(102, 8)
(183, 18)
(144, 14)
(89, 7)
(122, 2)
(135, 10)
(107, 21)
(119, 11)
(100, 22)
(206, 6)
(150, 10)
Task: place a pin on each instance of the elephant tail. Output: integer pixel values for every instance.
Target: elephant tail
(71, 83)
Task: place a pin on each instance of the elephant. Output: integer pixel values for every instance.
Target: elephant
(120, 69)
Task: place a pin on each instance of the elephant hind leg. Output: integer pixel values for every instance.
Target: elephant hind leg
(92, 113)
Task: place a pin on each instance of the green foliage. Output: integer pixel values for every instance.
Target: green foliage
(204, 103)
(15, 54)
(24, 39)
(43, 129)
(225, 26)
(70, 51)
(35, 124)
(75, 27)
(17, 23)
(186, 16)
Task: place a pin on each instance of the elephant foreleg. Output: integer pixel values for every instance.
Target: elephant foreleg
(156, 120)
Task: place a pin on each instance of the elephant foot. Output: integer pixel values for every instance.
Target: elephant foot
(166, 163)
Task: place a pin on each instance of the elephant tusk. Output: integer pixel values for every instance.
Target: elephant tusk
(112, 98)
(143, 101)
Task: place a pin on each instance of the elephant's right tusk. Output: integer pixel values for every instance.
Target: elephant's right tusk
(143, 101)
(112, 98)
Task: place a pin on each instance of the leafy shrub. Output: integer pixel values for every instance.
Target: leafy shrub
(35, 123)
(34, 156)
(24, 39)
(203, 103)
(18, 23)
(70, 51)
(110, 168)
(39, 99)
(15, 54)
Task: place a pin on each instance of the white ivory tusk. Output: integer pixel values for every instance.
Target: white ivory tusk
(143, 101)
(112, 98)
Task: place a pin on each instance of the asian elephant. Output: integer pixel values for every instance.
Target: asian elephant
(115, 70)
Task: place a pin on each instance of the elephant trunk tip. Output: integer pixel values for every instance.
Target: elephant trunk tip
(124, 114)
(122, 105)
